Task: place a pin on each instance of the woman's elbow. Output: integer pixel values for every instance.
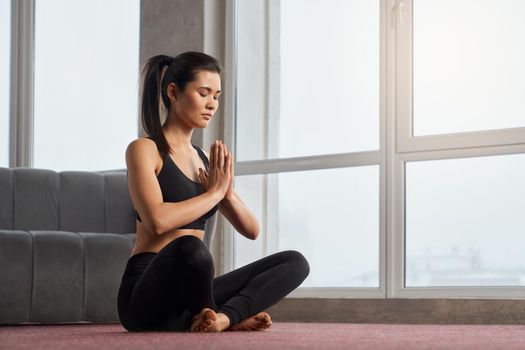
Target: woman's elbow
(156, 222)
(159, 228)
(153, 225)
(253, 233)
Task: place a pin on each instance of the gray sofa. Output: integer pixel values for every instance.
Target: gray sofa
(65, 238)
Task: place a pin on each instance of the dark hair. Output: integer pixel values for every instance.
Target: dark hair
(181, 70)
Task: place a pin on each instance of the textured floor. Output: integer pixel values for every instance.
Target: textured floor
(280, 336)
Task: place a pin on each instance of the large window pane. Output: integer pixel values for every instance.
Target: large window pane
(86, 79)
(308, 71)
(331, 216)
(464, 222)
(5, 69)
(469, 70)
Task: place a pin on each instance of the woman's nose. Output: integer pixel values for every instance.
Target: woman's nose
(212, 104)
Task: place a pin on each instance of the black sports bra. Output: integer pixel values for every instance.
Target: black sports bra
(176, 187)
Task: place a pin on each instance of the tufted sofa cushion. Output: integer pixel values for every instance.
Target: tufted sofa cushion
(39, 199)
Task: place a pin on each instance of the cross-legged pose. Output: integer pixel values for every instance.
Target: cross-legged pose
(168, 283)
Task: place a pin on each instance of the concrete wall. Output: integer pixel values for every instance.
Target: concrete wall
(173, 26)
(408, 310)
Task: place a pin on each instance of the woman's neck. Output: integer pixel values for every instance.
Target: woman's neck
(177, 137)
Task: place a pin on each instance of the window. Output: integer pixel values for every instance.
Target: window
(309, 211)
(464, 221)
(460, 144)
(86, 83)
(414, 129)
(470, 76)
(298, 92)
(294, 103)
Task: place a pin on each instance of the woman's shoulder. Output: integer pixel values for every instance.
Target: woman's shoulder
(142, 144)
(142, 148)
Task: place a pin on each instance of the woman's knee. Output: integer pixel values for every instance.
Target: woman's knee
(184, 245)
(301, 265)
(193, 252)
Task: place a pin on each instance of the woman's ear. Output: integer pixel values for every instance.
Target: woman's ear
(172, 92)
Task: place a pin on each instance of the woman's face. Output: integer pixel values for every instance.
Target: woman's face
(198, 102)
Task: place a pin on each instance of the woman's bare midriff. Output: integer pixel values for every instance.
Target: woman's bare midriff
(151, 243)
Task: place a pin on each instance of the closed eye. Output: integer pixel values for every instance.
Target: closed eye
(204, 91)
(214, 97)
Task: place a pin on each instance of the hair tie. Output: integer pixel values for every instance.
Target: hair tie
(167, 61)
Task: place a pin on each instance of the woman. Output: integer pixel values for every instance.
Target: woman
(168, 283)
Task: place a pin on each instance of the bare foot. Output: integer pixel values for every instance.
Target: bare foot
(259, 322)
(203, 320)
(209, 321)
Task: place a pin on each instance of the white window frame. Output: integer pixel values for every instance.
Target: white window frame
(395, 151)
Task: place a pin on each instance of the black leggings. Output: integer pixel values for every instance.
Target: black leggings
(162, 292)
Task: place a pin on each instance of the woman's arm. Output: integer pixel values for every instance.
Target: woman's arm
(158, 216)
(239, 215)
(234, 209)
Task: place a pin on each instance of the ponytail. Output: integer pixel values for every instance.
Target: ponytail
(158, 72)
(150, 102)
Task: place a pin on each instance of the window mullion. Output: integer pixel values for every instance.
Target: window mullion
(230, 64)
